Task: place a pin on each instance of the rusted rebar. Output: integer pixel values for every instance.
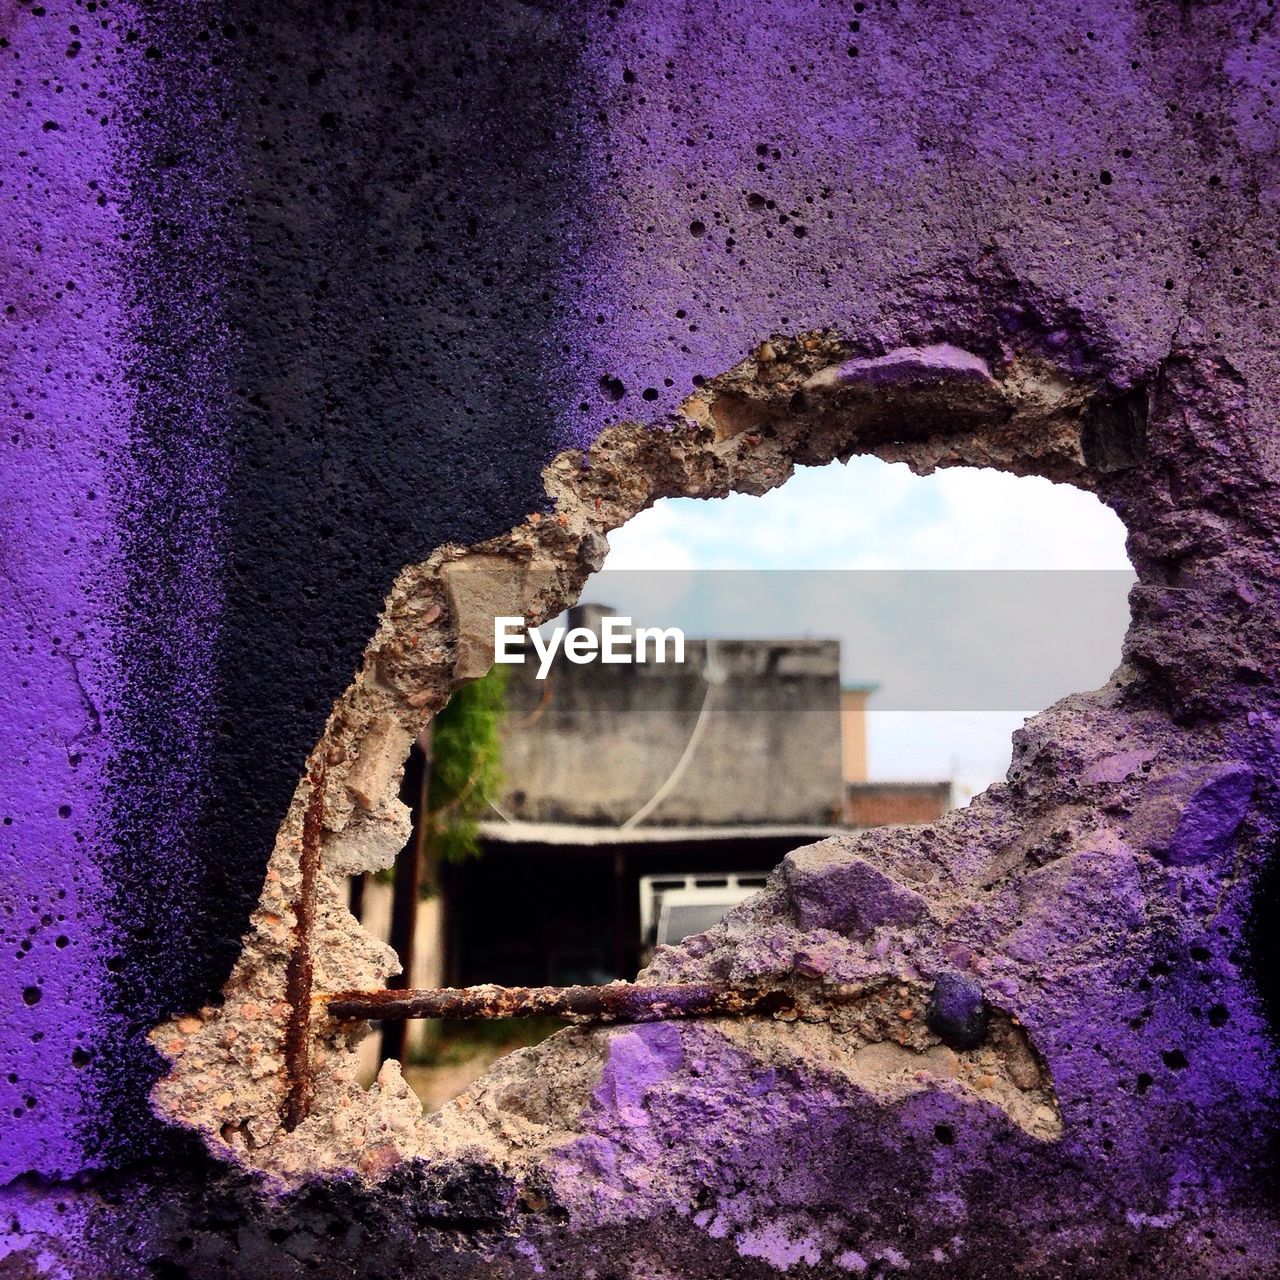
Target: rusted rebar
(614, 1002)
(300, 971)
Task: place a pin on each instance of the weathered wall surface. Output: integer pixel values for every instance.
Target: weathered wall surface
(601, 740)
(295, 293)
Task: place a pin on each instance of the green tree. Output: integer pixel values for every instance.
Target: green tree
(464, 770)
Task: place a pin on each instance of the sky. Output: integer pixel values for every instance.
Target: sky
(869, 515)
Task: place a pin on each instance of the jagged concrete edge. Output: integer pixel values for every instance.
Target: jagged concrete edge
(795, 401)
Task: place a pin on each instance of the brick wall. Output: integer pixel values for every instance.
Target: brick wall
(878, 804)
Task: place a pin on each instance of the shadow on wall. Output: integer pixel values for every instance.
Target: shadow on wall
(361, 292)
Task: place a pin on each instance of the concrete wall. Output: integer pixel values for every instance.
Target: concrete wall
(294, 293)
(877, 804)
(853, 734)
(595, 742)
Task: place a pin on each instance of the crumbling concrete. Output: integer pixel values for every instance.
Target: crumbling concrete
(294, 295)
(1086, 901)
(798, 401)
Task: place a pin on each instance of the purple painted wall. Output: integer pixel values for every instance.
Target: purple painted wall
(293, 293)
(66, 408)
(114, 546)
(888, 171)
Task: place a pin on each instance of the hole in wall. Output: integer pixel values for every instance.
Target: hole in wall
(796, 402)
(528, 867)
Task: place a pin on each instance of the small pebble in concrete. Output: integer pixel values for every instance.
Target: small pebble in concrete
(957, 1013)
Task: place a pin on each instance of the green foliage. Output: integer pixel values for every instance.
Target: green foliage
(466, 766)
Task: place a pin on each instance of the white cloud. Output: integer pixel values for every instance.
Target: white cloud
(870, 514)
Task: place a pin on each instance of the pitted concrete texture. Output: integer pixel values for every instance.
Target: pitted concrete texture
(314, 312)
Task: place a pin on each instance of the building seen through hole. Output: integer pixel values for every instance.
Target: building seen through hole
(641, 801)
(637, 804)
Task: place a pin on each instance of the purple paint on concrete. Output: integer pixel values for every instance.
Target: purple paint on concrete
(67, 404)
(759, 168)
(957, 1011)
(1212, 817)
(110, 558)
(831, 891)
(1192, 815)
(638, 1059)
(787, 168)
(939, 360)
(176, 170)
(1116, 768)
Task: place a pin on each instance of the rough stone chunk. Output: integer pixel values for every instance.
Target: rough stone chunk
(481, 588)
(906, 366)
(831, 890)
(381, 756)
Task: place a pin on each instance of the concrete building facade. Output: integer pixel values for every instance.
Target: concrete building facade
(594, 742)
